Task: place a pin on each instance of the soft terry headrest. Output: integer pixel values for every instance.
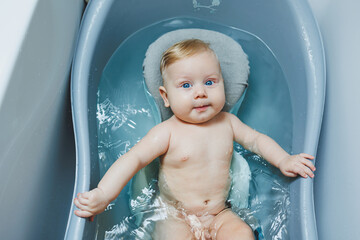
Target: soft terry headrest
(233, 61)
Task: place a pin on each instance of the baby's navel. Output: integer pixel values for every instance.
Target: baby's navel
(206, 202)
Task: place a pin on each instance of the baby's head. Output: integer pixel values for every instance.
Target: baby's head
(181, 50)
(193, 83)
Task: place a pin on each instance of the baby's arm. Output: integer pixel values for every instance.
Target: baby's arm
(289, 165)
(154, 144)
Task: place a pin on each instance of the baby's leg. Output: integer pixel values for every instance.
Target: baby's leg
(172, 228)
(227, 225)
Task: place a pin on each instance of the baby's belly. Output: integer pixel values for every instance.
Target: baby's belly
(206, 195)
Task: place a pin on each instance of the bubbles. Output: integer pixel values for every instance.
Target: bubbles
(109, 207)
(117, 129)
(109, 115)
(147, 209)
(143, 201)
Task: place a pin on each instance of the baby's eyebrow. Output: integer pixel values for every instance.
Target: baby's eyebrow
(182, 78)
(217, 75)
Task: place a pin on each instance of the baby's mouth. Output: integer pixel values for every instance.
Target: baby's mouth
(201, 108)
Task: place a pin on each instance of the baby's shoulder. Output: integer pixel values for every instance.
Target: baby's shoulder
(165, 126)
(226, 117)
(223, 119)
(230, 119)
(162, 129)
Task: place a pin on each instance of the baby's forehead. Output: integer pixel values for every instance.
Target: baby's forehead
(197, 58)
(198, 54)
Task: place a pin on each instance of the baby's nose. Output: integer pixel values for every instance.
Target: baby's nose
(200, 92)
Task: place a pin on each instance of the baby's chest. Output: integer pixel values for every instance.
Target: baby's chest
(198, 147)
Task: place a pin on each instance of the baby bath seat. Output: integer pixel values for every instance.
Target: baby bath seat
(287, 28)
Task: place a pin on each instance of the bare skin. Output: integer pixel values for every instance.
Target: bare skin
(195, 146)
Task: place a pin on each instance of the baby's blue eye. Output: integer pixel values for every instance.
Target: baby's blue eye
(186, 85)
(209, 83)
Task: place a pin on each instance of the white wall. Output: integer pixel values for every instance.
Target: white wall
(37, 158)
(337, 182)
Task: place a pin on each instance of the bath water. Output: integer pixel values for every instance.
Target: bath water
(126, 112)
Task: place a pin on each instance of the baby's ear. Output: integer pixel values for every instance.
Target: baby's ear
(163, 94)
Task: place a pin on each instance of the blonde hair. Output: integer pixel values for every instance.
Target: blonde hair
(181, 50)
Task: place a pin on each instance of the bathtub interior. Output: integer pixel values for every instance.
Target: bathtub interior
(287, 29)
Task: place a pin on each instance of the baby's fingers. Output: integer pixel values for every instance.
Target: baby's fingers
(83, 204)
(84, 211)
(82, 200)
(83, 214)
(304, 171)
(84, 195)
(79, 205)
(309, 172)
(308, 156)
(308, 164)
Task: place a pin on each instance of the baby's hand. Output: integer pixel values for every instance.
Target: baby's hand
(294, 165)
(91, 203)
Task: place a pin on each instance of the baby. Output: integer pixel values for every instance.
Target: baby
(195, 147)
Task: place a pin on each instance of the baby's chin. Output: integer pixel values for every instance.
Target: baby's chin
(196, 120)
